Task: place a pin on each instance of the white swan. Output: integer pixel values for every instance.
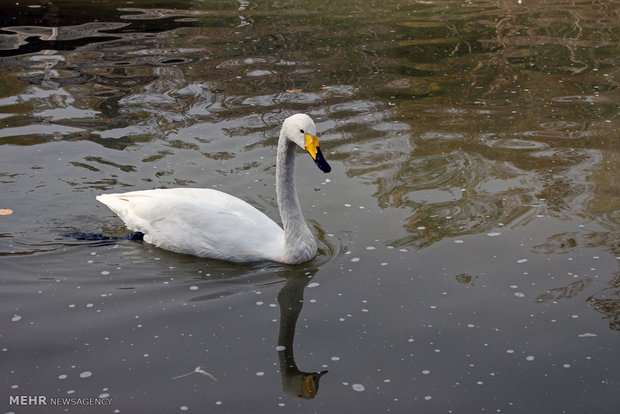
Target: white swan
(210, 223)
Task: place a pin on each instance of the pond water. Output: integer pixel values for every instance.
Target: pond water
(468, 232)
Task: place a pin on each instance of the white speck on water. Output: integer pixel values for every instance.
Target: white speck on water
(16, 318)
(62, 376)
(355, 259)
(193, 288)
(259, 303)
(105, 272)
(335, 358)
(72, 305)
(519, 294)
(218, 403)
(313, 285)
(347, 205)
(403, 250)
(510, 351)
(70, 391)
(260, 373)
(358, 387)
(521, 260)
(146, 355)
(426, 371)
(459, 241)
(587, 335)
(281, 404)
(384, 264)
(566, 365)
(513, 286)
(428, 397)
(410, 340)
(104, 395)
(529, 358)
(370, 247)
(89, 305)
(86, 374)
(184, 408)
(494, 234)
(280, 348)
(421, 228)
(471, 325)
(574, 316)
(90, 261)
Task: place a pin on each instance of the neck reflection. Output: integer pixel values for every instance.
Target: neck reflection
(295, 382)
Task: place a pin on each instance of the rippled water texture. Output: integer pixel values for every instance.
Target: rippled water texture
(468, 232)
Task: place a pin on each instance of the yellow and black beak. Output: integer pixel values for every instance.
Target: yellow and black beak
(312, 146)
(310, 384)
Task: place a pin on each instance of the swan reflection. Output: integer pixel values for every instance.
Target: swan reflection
(295, 382)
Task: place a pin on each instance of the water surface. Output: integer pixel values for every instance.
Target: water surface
(468, 231)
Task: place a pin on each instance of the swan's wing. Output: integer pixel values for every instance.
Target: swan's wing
(201, 222)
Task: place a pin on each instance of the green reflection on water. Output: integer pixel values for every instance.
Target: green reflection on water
(467, 114)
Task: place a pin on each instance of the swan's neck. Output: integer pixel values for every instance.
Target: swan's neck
(299, 243)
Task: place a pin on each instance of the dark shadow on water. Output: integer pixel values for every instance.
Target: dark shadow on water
(295, 381)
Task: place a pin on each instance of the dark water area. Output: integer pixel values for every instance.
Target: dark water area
(469, 231)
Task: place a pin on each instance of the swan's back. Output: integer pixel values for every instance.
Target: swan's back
(200, 222)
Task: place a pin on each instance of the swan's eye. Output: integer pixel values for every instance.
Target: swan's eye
(302, 131)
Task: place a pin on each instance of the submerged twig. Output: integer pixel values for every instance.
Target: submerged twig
(196, 370)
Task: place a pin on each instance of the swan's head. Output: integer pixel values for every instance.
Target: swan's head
(300, 129)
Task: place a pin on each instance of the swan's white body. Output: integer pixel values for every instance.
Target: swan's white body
(210, 223)
(200, 222)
